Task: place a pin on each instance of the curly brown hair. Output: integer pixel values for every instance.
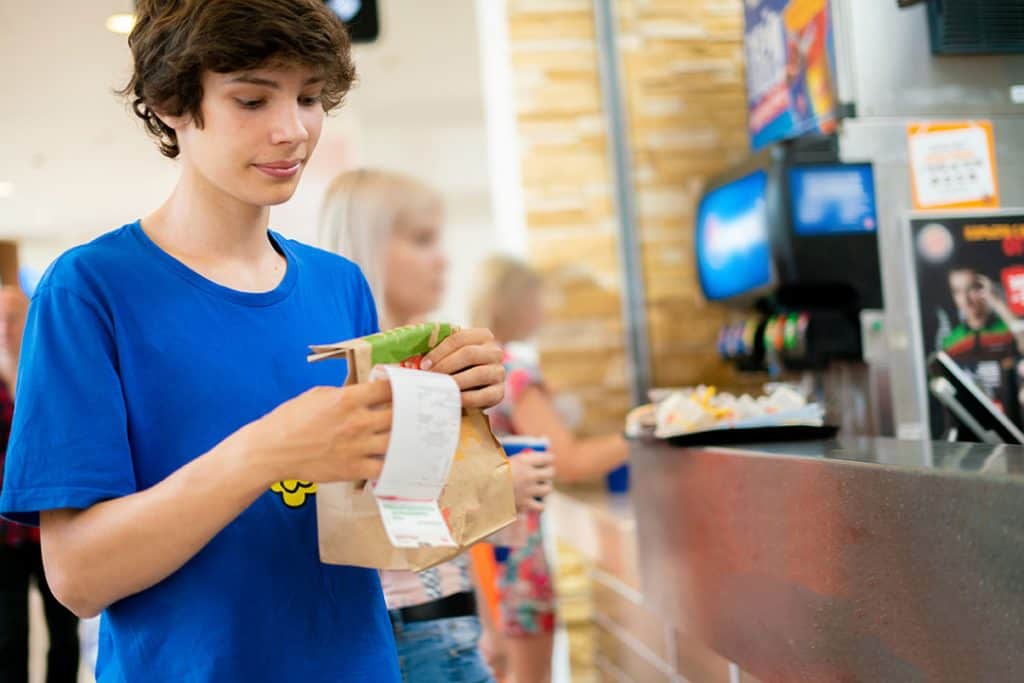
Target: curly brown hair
(175, 41)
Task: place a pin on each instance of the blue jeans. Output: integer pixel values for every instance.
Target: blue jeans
(441, 651)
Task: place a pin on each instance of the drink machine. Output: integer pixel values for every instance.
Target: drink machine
(954, 69)
(790, 237)
(889, 136)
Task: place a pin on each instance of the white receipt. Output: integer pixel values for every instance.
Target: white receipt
(414, 523)
(425, 429)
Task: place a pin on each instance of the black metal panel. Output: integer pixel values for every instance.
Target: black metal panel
(875, 561)
(964, 27)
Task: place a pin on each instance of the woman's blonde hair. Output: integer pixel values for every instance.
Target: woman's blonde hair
(360, 212)
(501, 283)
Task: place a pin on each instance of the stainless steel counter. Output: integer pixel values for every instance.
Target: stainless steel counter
(873, 560)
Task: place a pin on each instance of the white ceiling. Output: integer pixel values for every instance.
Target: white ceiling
(80, 164)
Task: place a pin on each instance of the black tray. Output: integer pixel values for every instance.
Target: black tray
(748, 435)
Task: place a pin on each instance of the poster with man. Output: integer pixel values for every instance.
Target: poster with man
(970, 284)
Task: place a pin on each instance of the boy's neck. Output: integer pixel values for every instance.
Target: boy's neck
(217, 236)
(201, 221)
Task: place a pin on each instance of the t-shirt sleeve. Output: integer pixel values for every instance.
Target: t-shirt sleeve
(69, 442)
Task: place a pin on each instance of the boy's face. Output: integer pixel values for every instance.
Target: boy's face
(259, 129)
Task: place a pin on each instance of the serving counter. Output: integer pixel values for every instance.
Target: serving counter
(866, 560)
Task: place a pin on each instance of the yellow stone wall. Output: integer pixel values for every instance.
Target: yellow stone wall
(682, 68)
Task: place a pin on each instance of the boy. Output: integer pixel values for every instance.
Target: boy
(168, 426)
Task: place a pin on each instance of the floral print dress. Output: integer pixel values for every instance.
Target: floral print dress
(525, 584)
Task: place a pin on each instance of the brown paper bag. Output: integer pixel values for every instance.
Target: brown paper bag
(478, 497)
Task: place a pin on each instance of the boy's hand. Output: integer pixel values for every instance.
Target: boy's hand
(473, 358)
(532, 474)
(325, 434)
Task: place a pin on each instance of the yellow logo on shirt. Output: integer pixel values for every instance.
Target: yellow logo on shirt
(294, 492)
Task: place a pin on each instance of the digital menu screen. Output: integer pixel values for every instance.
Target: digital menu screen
(733, 250)
(832, 199)
(359, 16)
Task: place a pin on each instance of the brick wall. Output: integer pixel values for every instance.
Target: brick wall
(568, 196)
(682, 66)
(615, 633)
(682, 69)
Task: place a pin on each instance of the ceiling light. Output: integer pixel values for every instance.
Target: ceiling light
(121, 23)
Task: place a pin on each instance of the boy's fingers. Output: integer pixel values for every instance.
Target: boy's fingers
(377, 445)
(460, 339)
(483, 398)
(368, 394)
(379, 420)
(480, 376)
(368, 469)
(467, 357)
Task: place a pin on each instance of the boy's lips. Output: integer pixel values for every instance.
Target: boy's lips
(281, 169)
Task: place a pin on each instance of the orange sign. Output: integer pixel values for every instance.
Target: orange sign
(953, 165)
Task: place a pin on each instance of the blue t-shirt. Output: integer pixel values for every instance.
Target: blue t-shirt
(133, 365)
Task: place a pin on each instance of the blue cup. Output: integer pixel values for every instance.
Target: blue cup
(514, 445)
(617, 481)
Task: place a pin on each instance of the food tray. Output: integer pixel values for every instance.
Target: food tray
(748, 435)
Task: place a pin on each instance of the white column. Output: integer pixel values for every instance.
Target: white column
(502, 135)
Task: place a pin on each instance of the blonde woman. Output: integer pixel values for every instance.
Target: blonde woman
(508, 302)
(391, 225)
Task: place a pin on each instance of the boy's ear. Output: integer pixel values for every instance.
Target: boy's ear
(175, 123)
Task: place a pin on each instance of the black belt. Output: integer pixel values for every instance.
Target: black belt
(449, 607)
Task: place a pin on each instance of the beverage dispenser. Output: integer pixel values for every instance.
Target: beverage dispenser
(789, 237)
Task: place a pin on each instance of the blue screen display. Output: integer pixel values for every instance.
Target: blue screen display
(832, 199)
(733, 251)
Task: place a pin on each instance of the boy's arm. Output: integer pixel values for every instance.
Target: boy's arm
(119, 547)
(122, 546)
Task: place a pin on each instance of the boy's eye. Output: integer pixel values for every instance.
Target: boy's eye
(309, 101)
(249, 104)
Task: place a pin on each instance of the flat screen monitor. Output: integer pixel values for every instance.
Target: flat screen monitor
(832, 199)
(360, 18)
(734, 256)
